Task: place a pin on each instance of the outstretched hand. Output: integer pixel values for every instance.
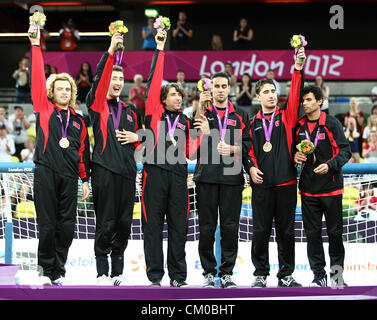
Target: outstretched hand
(301, 55)
(35, 41)
(115, 39)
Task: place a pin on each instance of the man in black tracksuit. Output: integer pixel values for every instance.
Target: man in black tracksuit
(274, 179)
(219, 180)
(165, 175)
(114, 167)
(61, 156)
(321, 185)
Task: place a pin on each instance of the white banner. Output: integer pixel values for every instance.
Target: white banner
(360, 263)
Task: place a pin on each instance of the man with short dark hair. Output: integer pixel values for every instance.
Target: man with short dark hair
(164, 191)
(114, 167)
(219, 180)
(274, 179)
(321, 185)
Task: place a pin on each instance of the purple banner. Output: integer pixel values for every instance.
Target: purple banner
(331, 64)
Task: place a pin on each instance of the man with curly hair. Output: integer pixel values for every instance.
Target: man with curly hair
(61, 156)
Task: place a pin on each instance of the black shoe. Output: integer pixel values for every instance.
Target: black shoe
(226, 282)
(178, 283)
(319, 281)
(209, 281)
(259, 282)
(155, 283)
(288, 281)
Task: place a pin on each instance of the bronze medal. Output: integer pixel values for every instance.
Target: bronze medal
(64, 143)
(267, 147)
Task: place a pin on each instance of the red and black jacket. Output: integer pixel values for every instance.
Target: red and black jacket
(213, 168)
(160, 146)
(73, 161)
(277, 165)
(108, 152)
(332, 148)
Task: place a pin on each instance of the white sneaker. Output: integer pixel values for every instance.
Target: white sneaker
(45, 281)
(103, 281)
(118, 281)
(58, 282)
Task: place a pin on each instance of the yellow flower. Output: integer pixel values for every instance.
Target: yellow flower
(200, 86)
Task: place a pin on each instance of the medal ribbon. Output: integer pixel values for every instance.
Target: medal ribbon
(315, 139)
(268, 131)
(223, 126)
(171, 128)
(116, 119)
(64, 129)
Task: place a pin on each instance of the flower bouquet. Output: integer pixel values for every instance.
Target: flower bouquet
(118, 27)
(162, 23)
(306, 147)
(37, 20)
(205, 84)
(297, 41)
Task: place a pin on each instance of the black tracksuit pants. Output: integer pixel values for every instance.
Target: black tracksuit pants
(277, 203)
(113, 197)
(312, 210)
(55, 199)
(164, 193)
(215, 200)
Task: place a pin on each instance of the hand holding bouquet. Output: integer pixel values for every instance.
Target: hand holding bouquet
(118, 27)
(37, 20)
(298, 41)
(162, 23)
(306, 147)
(205, 84)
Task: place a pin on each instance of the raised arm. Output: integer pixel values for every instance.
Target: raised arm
(155, 76)
(101, 80)
(38, 78)
(293, 103)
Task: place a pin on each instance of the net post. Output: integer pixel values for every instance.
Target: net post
(9, 224)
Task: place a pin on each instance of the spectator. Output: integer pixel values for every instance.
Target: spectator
(4, 121)
(182, 33)
(374, 95)
(84, 80)
(7, 147)
(325, 92)
(216, 43)
(358, 115)
(148, 33)
(242, 36)
(138, 94)
(69, 36)
(372, 126)
(21, 75)
(374, 110)
(181, 82)
(54, 70)
(27, 154)
(47, 70)
(355, 113)
(233, 82)
(370, 149)
(244, 93)
(44, 36)
(353, 136)
(20, 126)
(271, 75)
(194, 106)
